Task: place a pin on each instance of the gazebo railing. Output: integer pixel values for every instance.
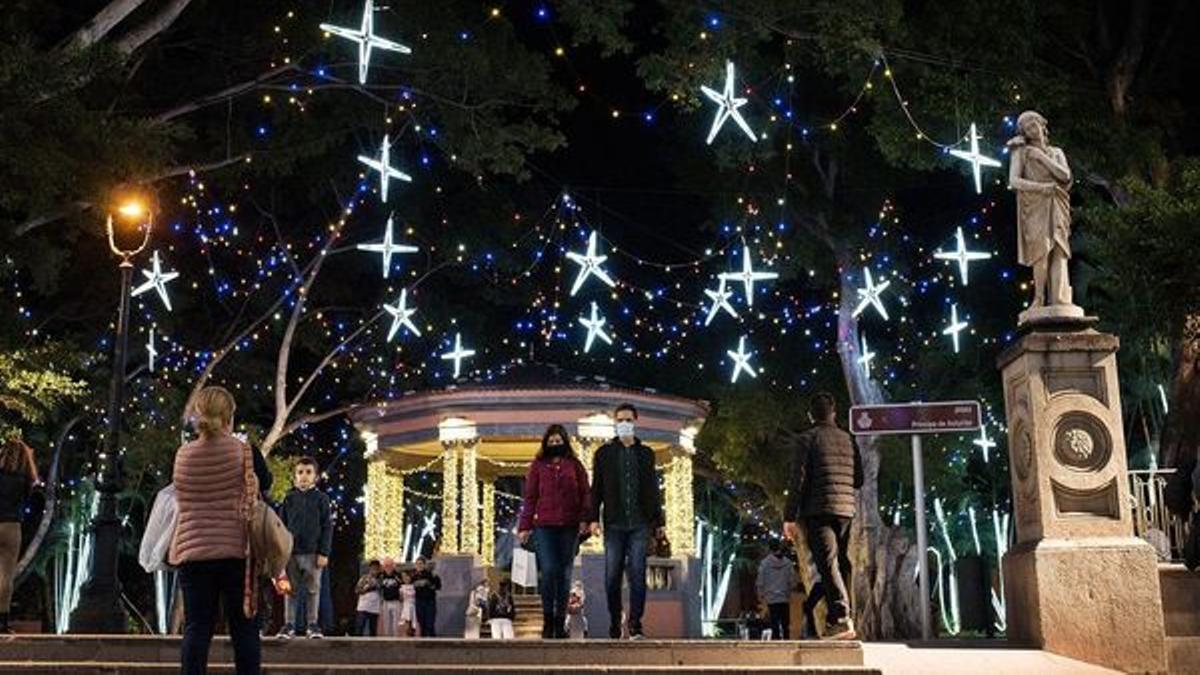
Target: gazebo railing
(1152, 521)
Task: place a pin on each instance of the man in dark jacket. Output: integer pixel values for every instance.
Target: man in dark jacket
(427, 584)
(307, 514)
(625, 495)
(826, 472)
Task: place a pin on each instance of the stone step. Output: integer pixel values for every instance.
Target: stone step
(1183, 655)
(332, 653)
(1181, 600)
(82, 668)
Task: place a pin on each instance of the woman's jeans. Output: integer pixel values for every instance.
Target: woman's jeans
(206, 584)
(555, 548)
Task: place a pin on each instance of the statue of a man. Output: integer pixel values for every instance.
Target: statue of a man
(1039, 174)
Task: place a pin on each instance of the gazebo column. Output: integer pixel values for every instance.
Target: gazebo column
(488, 531)
(680, 510)
(469, 538)
(449, 542)
(384, 512)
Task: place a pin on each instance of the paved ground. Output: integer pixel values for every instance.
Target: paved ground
(951, 658)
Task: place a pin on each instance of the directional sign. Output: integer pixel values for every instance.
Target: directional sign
(915, 418)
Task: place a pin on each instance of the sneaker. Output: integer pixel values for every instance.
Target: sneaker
(614, 631)
(841, 630)
(286, 633)
(635, 632)
(315, 634)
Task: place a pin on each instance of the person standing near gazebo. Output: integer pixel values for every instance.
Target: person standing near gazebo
(554, 511)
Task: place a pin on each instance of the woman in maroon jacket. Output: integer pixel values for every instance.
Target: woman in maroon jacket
(554, 512)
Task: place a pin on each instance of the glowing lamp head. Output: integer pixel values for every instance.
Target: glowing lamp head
(132, 210)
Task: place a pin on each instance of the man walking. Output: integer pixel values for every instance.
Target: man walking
(775, 582)
(826, 472)
(625, 496)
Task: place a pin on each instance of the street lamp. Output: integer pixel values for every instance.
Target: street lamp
(100, 608)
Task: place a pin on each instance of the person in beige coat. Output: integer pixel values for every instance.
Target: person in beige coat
(214, 489)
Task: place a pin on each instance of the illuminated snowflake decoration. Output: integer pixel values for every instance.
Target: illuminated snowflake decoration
(387, 248)
(984, 442)
(151, 350)
(962, 255)
(871, 295)
(865, 356)
(458, 354)
(156, 280)
(595, 329)
(976, 159)
(384, 166)
(748, 276)
(741, 361)
(727, 106)
(366, 39)
(955, 327)
(720, 301)
(589, 265)
(401, 316)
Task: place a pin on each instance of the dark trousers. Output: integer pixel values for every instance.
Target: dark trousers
(815, 595)
(366, 624)
(829, 541)
(206, 585)
(780, 618)
(555, 549)
(427, 616)
(625, 556)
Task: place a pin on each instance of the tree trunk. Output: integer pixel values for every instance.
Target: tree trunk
(1181, 435)
(885, 596)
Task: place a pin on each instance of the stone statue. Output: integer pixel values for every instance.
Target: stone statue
(1039, 174)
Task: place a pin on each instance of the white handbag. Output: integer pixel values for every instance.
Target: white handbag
(524, 568)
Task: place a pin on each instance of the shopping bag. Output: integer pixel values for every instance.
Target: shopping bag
(524, 568)
(160, 529)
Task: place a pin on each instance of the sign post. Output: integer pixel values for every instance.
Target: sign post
(917, 419)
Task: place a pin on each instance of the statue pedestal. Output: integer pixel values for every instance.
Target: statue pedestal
(1077, 582)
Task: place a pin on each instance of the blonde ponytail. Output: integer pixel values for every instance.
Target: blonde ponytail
(213, 410)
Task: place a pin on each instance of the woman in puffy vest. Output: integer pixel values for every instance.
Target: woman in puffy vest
(215, 487)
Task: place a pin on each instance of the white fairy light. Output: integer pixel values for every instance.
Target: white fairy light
(589, 265)
(976, 159)
(984, 442)
(156, 280)
(366, 39)
(955, 327)
(384, 166)
(720, 301)
(728, 105)
(151, 350)
(870, 294)
(458, 354)
(961, 255)
(748, 276)
(402, 316)
(741, 360)
(388, 247)
(867, 356)
(595, 329)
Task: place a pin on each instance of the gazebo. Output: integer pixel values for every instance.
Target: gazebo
(474, 432)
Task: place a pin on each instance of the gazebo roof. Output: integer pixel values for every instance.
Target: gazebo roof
(512, 410)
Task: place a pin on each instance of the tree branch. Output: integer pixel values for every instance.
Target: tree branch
(198, 168)
(52, 216)
(317, 417)
(1124, 68)
(223, 95)
(152, 27)
(102, 23)
(329, 358)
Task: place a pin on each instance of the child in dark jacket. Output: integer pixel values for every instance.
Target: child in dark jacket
(501, 612)
(427, 585)
(307, 513)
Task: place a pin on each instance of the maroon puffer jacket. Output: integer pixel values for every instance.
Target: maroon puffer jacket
(556, 494)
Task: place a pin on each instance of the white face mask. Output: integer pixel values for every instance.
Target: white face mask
(625, 429)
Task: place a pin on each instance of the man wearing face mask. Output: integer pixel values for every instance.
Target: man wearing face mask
(307, 514)
(625, 497)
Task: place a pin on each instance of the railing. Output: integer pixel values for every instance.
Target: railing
(1152, 521)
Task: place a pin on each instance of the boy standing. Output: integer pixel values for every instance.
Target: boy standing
(307, 514)
(427, 585)
(369, 601)
(389, 593)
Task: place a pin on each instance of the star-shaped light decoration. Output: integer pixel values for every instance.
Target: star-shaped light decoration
(748, 276)
(387, 247)
(870, 294)
(151, 350)
(366, 38)
(156, 280)
(458, 354)
(401, 316)
(961, 255)
(728, 105)
(741, 361)
(595, 329)
(865, 356)
(720, 301)
(955, 327)
(589, 265)
(984, 442)
(976, 159)
(384, 166)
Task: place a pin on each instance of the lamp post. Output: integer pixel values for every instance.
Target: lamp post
(100, 608)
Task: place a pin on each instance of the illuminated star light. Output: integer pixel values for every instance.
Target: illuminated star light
(402, 316)
(741, 361)
(151, 350)
(977, 160)
(955, 326)
(984, 442)
(961, 255)
(720, 301)
(595, 329)
(366, 38)
(871, 294)
(156, 280)
(748, 276)
(866, 356)
(387, 248)
(589, 265)
(728, 106)
(458, 354)
(384, 166)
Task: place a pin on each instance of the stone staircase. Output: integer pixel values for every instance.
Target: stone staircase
(1181, 617)
(143, 655)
